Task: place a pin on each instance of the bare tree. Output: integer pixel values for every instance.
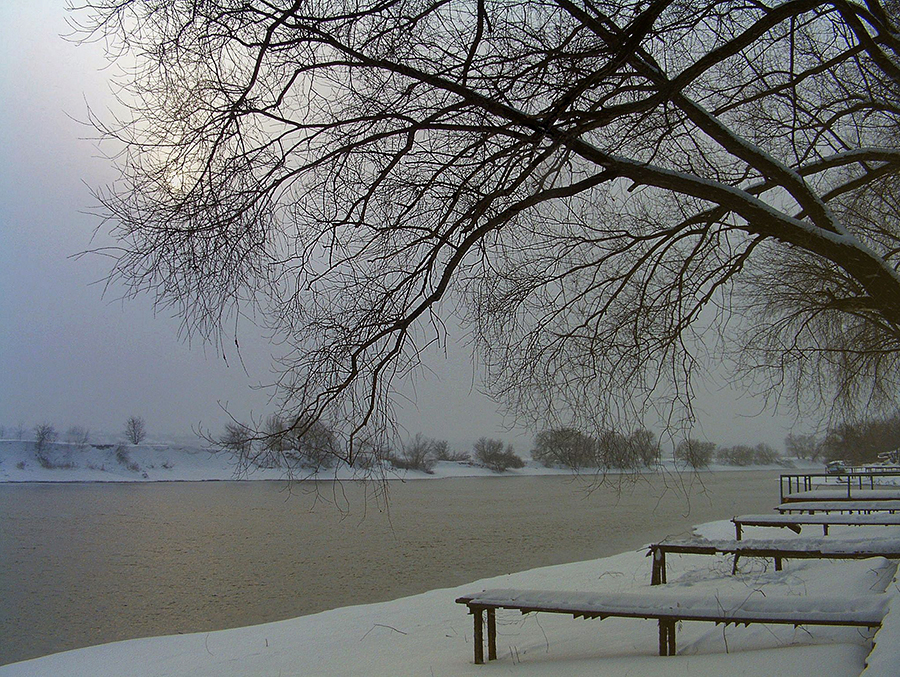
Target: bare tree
(491, 454)
(862, 441)
(290, 445)
(565, 446)
(44, 434)
(135, 430)
(417, 453)
(695, 453)
(610, 193)
(78, 436)
(803, 446)
(237, 438)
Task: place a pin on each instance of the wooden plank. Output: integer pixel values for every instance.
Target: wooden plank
(776, 550)
(891, 506)
(844, 494)
(867, 611)
(795, 521)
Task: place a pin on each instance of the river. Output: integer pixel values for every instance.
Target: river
(84, 564)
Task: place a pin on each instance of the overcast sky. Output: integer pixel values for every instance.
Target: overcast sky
(70, 356)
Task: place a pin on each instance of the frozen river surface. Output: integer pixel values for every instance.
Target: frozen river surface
(85, 564)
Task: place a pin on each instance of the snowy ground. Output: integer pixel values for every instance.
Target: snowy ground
(429, 634)
(19, 462)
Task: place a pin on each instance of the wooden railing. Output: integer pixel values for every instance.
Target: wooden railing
(859, 478)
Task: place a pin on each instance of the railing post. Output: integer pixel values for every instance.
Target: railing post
(479, 634)
(658, 571)
(492, 634)
(666, 637)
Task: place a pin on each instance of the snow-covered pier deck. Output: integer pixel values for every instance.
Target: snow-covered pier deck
(796, 522)
(668, 610)
(778, 550)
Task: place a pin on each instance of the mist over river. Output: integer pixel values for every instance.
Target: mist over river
(84, 564)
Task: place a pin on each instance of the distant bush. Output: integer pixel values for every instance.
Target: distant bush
(442, 452)
(574, 449)
(616, 451)
(492, 455)
(566, 447)
(644, 447)
(415, 454)
(740, 455)
(237, 438)
(803, 446)
(292, 445)
(763, 454)
(124, 459)
(862, 441)
(78, 437)
(695, 453)
(44, 435)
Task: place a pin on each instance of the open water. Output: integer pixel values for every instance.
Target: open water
(84, 564)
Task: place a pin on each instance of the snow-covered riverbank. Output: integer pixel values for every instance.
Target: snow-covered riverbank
(20, 461)
(429, 634)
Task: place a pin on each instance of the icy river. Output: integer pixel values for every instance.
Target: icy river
(84, 564)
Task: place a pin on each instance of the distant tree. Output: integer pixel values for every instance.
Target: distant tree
(861, 442)
(291, 445)
(764, 454)
(566, 447)
(491, 454)
(803, 446)
(78, 436)
(317, 445)
(644, 447)
(743, 455)
(616, 451)
(416, 454)
(135, 430)
(44, 434)
(442, 452)
(695, 453)
(237, 438)
(371, 453)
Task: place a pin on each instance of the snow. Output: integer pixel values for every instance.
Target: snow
(884, 660)
(696, 606)
(429, 634)
(123, 462)
(826, 544)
